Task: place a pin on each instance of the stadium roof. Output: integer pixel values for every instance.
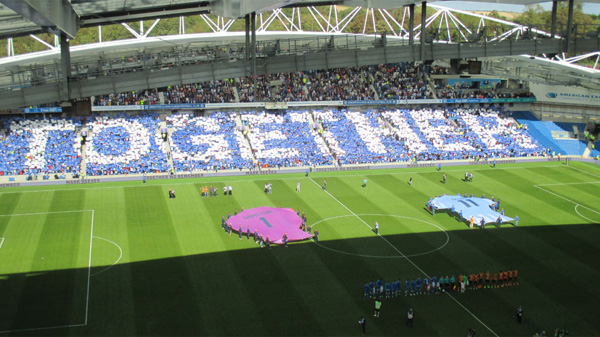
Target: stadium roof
(24, 17)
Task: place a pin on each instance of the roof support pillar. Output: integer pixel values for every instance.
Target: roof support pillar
(253, 50)
(423, 21)
(411, 24)
(553, 28)
(570, 25)
(65, 63)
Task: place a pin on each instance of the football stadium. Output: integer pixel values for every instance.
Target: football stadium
(299, 168)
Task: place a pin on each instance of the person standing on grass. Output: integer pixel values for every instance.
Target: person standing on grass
(364, 183)
(376, 227)
(247, 232)
(324, 185)
(298, 187)
(519, 314)
(516, 221)
(410, 321)
(316, 236)
(410, 181)
(377, 307)
(363, 323)
(444, 178)
(285, 239)
(240, 232)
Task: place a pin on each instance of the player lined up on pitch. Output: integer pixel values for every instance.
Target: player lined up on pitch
(211, 191)
(435, 285)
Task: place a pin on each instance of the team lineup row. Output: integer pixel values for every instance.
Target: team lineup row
(435, 285)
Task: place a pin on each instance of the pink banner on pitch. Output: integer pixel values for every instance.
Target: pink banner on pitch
(270, 222)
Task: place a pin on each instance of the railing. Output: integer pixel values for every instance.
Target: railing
(155, 60)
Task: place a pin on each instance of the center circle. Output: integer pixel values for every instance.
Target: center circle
(404, 254)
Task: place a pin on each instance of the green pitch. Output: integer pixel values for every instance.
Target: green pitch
(124, 259)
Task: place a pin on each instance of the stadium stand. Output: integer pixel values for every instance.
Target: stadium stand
(353, 137)
(135, 97)
(36, 146)
(131, 144)
(339, 84)
(125, 144)
(399, 81)
(207, 143)
(389, 81)
(218, 91)
(285, 140)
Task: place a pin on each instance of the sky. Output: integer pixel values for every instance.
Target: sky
(589, 8)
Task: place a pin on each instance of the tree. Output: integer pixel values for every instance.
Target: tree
(532, 16)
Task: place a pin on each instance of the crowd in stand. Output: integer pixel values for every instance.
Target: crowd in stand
(257, 90)
(125, 144)
(285, 140)
(399, 81)
(135, 144)
(207, 143)
(387, 81)
(354, 138)
(217, 91)
(450, 92)
(34, 146)
(339, 84)
(134, 97)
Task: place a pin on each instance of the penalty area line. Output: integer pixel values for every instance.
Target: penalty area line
(407, 259)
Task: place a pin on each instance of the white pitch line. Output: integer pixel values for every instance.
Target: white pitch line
(581, 215)
(44, 213)
(44, 328)
(584, 171)
(578, 183)
(87, 301)
(89, 270)
(1, 242)
(257, 178)
(566, 199)
(117, 261)
(407, 259)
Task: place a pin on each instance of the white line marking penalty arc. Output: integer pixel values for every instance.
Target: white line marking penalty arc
(114, 263)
